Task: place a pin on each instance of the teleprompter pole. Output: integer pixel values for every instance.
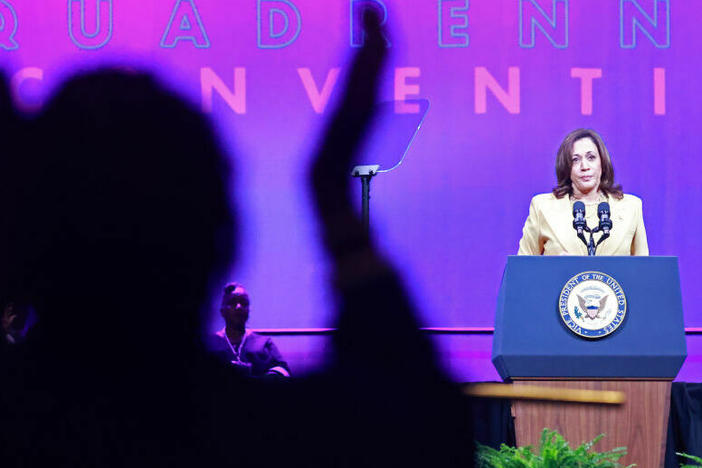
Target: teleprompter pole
(365, 173)
(365, 201)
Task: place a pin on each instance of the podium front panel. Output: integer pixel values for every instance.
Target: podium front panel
(532, 340)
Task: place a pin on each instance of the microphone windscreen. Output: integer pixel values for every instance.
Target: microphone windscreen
(578, 207)
(603, 208)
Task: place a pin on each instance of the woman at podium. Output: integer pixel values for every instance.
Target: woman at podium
(585, 173)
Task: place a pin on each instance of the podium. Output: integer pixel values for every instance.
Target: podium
(555, 326)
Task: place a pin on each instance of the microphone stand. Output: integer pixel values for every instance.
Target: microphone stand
(605, 226)
(591, 246)
(604, 236)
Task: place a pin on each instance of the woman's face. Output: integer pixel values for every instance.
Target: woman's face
(586, 169)
(235, 306)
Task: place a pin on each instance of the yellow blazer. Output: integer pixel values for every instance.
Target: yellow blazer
(549, 228)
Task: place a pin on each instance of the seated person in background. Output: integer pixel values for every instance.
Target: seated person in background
(250, 353)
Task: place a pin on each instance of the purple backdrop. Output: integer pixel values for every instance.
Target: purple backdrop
(507, 79)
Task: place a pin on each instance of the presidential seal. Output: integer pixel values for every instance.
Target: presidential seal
(592, 304)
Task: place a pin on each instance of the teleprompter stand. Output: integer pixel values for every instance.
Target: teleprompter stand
(395, 125)
(365, 173)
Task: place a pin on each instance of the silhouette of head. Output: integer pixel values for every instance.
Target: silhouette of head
(130, 216)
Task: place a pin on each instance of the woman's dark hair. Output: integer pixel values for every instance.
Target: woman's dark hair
(564, 164)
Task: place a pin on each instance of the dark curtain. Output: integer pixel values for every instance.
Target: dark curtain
(685, 423)
(492, 422)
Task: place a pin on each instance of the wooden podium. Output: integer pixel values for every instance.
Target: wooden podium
(534, 346)
(640, 423)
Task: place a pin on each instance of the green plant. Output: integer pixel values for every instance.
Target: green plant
(698, 460)
(553, 452)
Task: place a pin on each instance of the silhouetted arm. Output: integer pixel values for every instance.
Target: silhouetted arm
(377, 329)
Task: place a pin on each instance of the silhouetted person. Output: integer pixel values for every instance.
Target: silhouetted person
(248, 353)
(13, 309)
(406, 412)
(383, 402)
(125, 224)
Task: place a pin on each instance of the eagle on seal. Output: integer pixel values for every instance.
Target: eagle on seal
(592, 308)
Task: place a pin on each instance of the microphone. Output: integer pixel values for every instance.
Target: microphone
(579, 223)
(605, 219)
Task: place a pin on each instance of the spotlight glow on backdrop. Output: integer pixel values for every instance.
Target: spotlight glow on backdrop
(507, 79)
